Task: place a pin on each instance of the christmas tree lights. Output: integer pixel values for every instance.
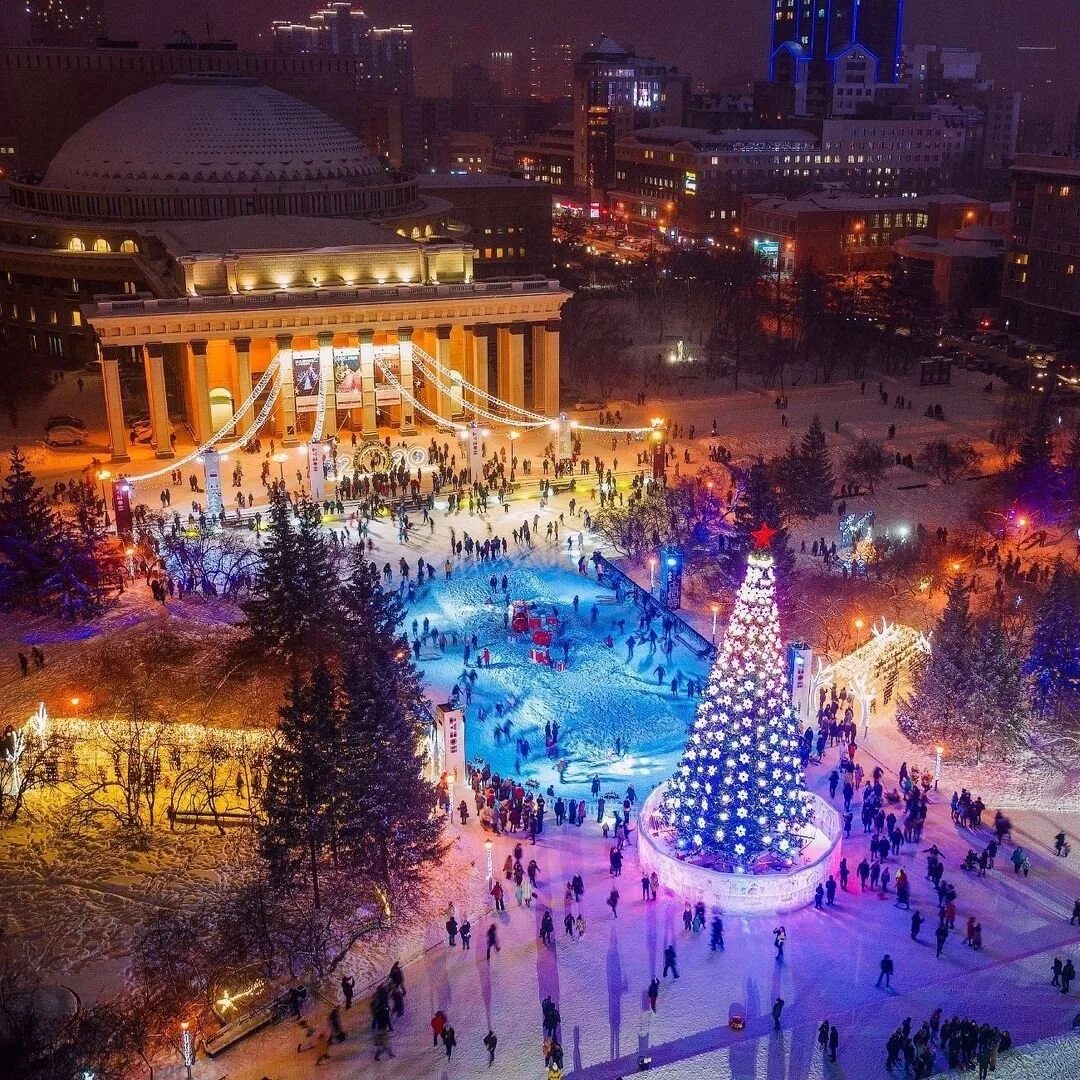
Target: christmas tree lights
(738, 793)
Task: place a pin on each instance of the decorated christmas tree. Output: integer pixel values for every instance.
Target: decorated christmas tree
(738, 794)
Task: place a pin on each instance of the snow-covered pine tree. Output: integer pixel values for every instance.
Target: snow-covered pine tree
(738, 792)
(294, 610)
(1053, 662)
(936, 708)
(818, 481)
(393, 834)
(304, 784)
(757, 504)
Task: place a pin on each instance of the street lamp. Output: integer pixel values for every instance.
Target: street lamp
(75, 706)
(490, 864)
(652, 573)
(937, 765)
(187, 1046)
(281, 458)
(715, 607)
(103, 475)
(859, 624)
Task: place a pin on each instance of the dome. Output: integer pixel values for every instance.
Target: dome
(206, 133)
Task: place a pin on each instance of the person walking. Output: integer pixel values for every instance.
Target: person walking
(449, 1039)
(438, 1024)
(669, 962)
(886, 970)
(916, 924)
(613, 901)
(777, 1009)
(348, 985)
(491, 1040)
(716, 934)
(451, 930)
(1055, 969)
(465, 930)
(1068, 973)
(653, 993)
(779, 937)
(492, 940)
(942, 935)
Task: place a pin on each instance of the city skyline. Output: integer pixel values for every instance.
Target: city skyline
(685, 34)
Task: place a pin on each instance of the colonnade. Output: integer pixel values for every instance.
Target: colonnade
(518, 362)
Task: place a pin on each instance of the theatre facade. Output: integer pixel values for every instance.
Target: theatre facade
(264, 265)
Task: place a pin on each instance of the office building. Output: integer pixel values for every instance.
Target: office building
(818, 46)
(616, 92)
(690, 183)
(1041, 286)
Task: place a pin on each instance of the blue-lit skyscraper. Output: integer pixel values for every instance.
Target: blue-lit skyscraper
(818, 44)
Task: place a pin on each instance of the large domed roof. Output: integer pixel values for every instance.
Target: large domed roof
(197, 132)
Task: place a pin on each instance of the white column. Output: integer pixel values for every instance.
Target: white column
(449, 401)
(200, 390)
(546, 368)
(287, 397)
(242, 348)
(368, 421)
(477, 339)
(405, 377)
(512, 364)
(154, 369)
(326, 379)
(114, 404)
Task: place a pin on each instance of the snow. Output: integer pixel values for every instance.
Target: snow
(75, 902)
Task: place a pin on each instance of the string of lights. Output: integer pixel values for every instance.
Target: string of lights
(270, 372)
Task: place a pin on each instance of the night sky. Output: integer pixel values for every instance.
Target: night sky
(713, 39)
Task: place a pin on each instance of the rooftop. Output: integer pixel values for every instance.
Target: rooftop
(730, 139)
(474, 180)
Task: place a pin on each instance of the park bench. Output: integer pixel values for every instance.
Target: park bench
(243, 1026)
(222, 819)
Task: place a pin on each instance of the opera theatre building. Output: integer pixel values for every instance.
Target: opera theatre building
(233, 255)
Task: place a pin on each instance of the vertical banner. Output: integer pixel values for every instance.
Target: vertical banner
(212, 482)
(121, 497)
(476, 459)
(316, 457)
(566, 447)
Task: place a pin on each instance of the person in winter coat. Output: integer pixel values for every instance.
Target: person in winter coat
(613, 902)
(916, 924)
(886, 970)
(466, 933)
(451, 930)
(1068, 973)
(547, 928)
(497, 893)
(670, 962)
(438, 1023)
(834, 1042)
(777, 1009)
(491, 1040)
(653, 993)
(716, 934)
(449, 1039)
(492, 940)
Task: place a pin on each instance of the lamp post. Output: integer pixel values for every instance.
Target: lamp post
(858, 624)
(187, 1046)
(715, 611)
(857, 229)
(103, 475)
(75, 706)
(939, 750)
(652, 573)
(490, 864)
(129, 551)
(281, 458)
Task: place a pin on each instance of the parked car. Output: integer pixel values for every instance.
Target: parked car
(65, 435)
(65, 420)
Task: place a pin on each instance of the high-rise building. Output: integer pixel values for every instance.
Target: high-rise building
(818, 44)
(616, 92)
(66, 22)
(340, 29)
(1041, 286)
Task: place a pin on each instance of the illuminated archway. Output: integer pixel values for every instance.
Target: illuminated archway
(221, 407)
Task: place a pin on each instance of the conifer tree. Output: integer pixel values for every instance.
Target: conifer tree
(738, 792)
(1053, 662)
(304, 783)
(295, 608)
(817, 480)
(757, 505)
(46, 563)
(996, 708)
(393, 833)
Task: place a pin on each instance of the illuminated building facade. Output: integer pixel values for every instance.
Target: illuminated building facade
(205, 229)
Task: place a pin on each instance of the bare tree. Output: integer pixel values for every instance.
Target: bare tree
(948, 461)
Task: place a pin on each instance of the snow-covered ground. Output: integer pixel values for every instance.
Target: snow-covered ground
(85, 909)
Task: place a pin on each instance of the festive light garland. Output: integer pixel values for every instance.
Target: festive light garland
(270, 372)
(320, 408)
(738, 790)
(418, 405)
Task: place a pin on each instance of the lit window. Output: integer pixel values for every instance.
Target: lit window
(76, 244)
(101, 245)
(76, 317)
(1064, 193)
(129, 247)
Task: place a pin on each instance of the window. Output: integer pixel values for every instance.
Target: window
(1064, 192)
(101, 245)
(129, 247)
(76, 244)
(76, 317)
